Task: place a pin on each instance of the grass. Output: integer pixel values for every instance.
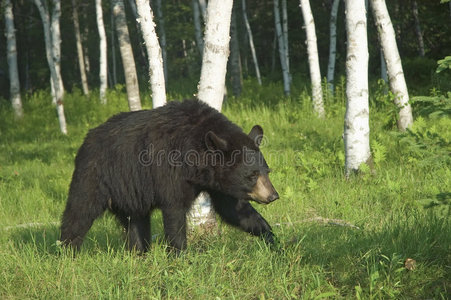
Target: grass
(401, 207)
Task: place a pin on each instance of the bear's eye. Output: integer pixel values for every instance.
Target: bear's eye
(254, 175)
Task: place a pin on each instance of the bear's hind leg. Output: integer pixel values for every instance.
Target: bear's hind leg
(174, 221)
(138, 232)
(77, 220)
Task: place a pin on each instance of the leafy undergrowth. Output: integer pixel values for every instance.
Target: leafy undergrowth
(384, 233)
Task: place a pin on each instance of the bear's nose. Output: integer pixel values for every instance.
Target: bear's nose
(273, 197)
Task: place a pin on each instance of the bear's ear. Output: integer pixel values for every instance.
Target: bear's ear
(256, 134)
(214, 142)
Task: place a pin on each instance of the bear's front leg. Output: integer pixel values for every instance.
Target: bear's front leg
(174, 221)
(240, 213)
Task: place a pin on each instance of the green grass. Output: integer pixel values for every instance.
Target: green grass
(402, 209)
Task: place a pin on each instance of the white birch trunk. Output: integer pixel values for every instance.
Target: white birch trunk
(197, 27)
(128, 61)
(50, 48)
(312, 49)
(162, 34)
(11, 50)
(393, 61)
(356, 128)
(156, 72)
(418, 28)
(144, 60)
(211, 85)
(81, 59)
(56, 43)
(103, 52)
(84, 39)
(332, 45)
(251, 43)
(113, 48)
(285, 35)
(282, 52)
(216, 53)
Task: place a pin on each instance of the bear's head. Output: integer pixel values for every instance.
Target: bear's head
(243, 173)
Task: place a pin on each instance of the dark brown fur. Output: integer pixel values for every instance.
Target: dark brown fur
(125, 166)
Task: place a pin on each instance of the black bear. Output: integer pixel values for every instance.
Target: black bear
(163, 158)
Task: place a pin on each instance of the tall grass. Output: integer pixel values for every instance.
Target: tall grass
(401, 209)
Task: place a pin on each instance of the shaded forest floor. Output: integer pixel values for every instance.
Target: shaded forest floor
(384, 233)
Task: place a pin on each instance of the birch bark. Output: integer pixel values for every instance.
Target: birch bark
(56, 42)
(356, 127)
(113, 47)
(216, 53)
(81, 59)
(332, 45)
(393, 61)
(52, 46)
(162, 34)
(418, 31)
(285, 36)
(156, 72)
(103, 52)
(282, 52)
(144, 61)
(197, 27)
(11, 50)
(312, 49)
(128, 62)
(251, 43)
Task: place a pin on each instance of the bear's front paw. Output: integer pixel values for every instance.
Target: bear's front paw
(268, 237)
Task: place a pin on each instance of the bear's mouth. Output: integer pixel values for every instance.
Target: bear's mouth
(263, 191)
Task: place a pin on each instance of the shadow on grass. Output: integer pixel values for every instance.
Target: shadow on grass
(104, 235)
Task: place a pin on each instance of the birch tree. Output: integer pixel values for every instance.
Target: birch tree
(312, 49)
(81, 59)
(53, 53)
(56, 41)
(197, 27)
(156, 72)
(212, 81)
(113, 47)
(285, 36)
(216, 53)
(418, 31)
(251, 42)
(84, 39)
(356, 127)
(128, 62)
(11, 53)
(282, 51)
(162, 34)
(332, 45)
(103, 51)
(393, 61)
